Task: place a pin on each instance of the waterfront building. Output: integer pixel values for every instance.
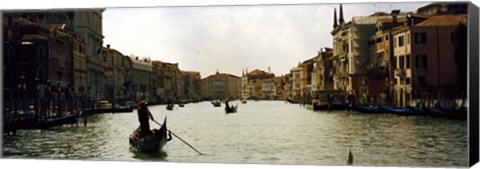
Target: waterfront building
(322, 71)
(306, 79)
(116, 74)
(37, 65)
(351, 50)
(141, 77)
(245, 87)
(279, 88)
(430, 59)
(221, 86)
(379, 71)
(341, 50)
(296, 80)
(258, 84)
(87, 26)
(192, 85)
(79, 81)
(287, 87)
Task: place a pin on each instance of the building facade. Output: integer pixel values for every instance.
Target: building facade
(428, 59)
(221, 86)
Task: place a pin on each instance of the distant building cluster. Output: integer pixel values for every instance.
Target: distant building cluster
(397, 58)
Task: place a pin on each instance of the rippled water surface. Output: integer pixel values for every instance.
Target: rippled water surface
(265, 132)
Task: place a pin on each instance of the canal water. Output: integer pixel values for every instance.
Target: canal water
(261, 132)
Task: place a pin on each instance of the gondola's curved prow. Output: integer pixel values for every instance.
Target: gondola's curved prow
(152, 143)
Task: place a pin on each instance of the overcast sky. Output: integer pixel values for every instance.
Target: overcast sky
(231, 38)
(227, 38)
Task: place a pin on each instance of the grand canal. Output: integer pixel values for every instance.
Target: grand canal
(264, 132)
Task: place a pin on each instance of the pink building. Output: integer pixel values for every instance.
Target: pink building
(427, 57)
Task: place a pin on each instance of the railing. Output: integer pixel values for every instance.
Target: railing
(399, 72)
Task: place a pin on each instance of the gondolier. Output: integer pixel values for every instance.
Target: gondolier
(143, 116)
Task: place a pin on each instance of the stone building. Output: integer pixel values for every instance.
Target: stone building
(322, 74)
(38, 65)
(117, 71)
(192, 85)
(86, 25)
(351, 50)
(258, 84)
(141, 78)
(221, 86)
(430, 59)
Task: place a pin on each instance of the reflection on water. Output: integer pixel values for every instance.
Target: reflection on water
(266, 132)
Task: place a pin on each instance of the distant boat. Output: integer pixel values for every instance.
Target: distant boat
(216, 103)
(170, 106)
(230, 109)
(152, 143)
(244, 101)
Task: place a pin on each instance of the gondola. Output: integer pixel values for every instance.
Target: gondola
(216, 103)
(152, 143)
(230, 109)
(58, 121)
(396, 110)
(330, 107)
(170, 106)
(365, 108)
(449, 113)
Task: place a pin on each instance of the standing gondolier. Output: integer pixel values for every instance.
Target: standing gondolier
(143, 116)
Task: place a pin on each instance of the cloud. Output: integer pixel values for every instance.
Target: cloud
(228, 38)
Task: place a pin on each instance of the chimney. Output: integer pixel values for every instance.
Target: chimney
(269, 69)
(108, 46)
(335, 18)
(341, 15)
(395, 15)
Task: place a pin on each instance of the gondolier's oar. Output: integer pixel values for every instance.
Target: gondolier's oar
(180, 138)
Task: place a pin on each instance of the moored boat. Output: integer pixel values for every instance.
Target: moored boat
(330, 107)
(152, 143)
(365, 108)
(216, 103)
(396, 110)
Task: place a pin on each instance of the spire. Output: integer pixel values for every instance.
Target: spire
(243, 72)
(335, 18)
(341, 15)
(217, 71)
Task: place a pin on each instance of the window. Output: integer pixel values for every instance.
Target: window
(452, 37)
(41, 54)
(422, 80)
(402, 62)
(407, 80)
(421, 61)
(408, 61)
(394, 61)
(386, 37)
(396, 81)
(401, 41)
(11, 54)
(420, 38)
(408, 38)
(394, 42)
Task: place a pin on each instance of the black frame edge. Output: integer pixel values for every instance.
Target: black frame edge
(473, 54)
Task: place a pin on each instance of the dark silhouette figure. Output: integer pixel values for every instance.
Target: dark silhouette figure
(143, 116)
(350, 158)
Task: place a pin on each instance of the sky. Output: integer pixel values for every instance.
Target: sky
(231, 39)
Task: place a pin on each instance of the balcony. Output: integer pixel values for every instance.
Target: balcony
(399, 72)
